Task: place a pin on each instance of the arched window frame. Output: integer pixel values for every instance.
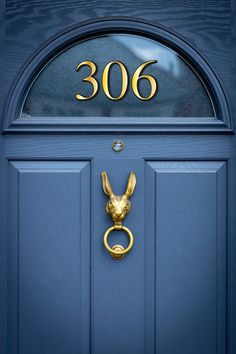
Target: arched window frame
(221, 123)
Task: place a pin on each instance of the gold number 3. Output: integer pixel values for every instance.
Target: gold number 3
(89, 78)
(105, 80)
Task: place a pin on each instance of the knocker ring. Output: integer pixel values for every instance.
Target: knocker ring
(118, 251)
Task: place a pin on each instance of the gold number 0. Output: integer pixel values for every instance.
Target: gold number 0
(105, 80)
(151, 79)
(89, 78)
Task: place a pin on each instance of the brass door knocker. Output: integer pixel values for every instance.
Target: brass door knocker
(118, 206)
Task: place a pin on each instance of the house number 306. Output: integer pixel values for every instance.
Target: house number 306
(124, 86)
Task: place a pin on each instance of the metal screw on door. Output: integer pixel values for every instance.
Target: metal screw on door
(118, 207)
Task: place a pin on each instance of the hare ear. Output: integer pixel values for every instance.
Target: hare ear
(106, 185)
(131, 185)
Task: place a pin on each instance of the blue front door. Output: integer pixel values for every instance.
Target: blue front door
(64, 292)
(166, 296)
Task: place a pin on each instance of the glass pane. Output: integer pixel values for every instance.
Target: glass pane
(180, 91)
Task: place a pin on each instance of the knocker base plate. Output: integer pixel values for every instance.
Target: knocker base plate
(117, 248)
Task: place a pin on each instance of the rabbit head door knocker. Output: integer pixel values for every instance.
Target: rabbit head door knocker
(118, 206)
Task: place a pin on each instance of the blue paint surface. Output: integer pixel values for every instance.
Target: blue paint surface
(61, 292)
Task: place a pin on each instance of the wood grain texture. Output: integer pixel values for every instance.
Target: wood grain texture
(159, 147)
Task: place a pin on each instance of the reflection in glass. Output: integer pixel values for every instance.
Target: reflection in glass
(181, 93)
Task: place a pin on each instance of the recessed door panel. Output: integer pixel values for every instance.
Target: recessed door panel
(186, 223)
(48, 257)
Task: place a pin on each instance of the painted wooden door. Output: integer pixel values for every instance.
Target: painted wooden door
(61, 291)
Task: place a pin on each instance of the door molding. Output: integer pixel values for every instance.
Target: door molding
(219, 124)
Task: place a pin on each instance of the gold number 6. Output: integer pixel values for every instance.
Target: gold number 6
(136, 77)
(89, 78)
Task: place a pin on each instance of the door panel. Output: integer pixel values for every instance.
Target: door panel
(186, 225)
(49, 257)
